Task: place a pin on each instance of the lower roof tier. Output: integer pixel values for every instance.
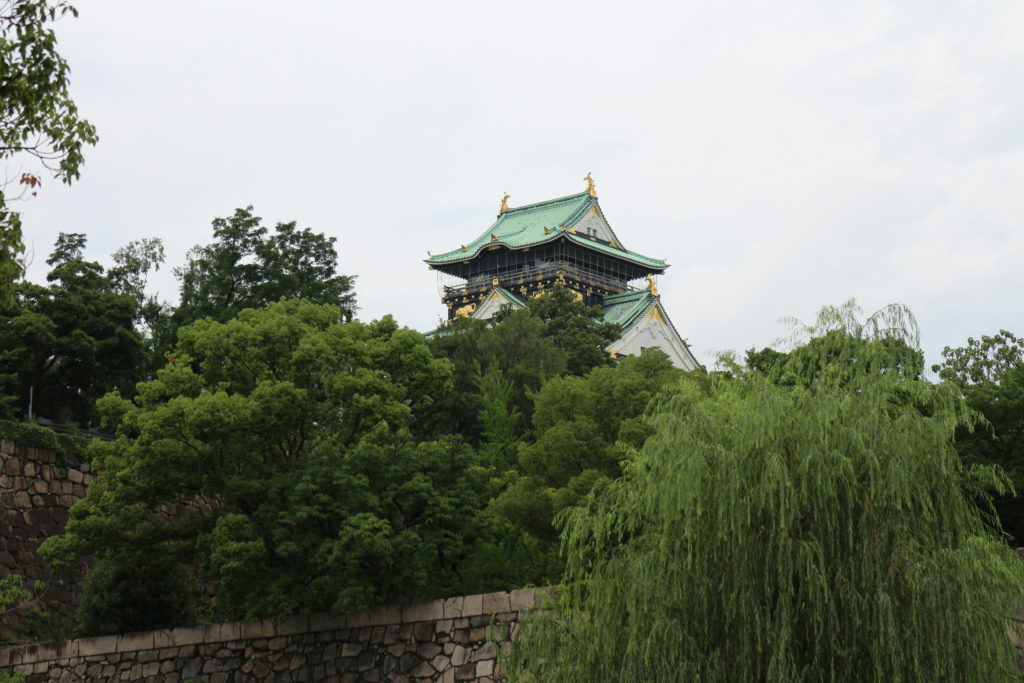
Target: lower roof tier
(639, 314)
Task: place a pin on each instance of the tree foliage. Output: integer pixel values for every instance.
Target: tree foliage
(989, 372)
(38, 119)
(274, 456)
(67, 344)
(818, 530)
(519, 349)
(585, 429)
(577, 329)
(248, 266)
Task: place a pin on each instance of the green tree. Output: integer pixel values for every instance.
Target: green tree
(67, 344)
(839, 345)
(820, 530)
(552, 335)
(280, 442)
(517, 349)
(989, 372)
(248, 266)
(38, 119)
(585, 430)
(575, 328)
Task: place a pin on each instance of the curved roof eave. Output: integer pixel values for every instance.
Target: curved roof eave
(454, 257)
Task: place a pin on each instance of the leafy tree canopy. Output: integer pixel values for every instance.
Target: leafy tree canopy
(819, 530)
(519, 350)
(838, 344)
(575, 328)
(989, 372)
(516, 351)
(286, 433)
(249, 266)
(67, 344)
(38, 119)
(584, 429)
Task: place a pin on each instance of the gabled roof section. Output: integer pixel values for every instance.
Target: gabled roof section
(495, 299)
(533, 224)
(628, 308)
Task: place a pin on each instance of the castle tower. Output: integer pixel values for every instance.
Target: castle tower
(562, 242)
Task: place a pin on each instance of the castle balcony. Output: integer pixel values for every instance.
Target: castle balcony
(529, 274)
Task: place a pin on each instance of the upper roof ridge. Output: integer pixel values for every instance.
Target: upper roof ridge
(546, 202)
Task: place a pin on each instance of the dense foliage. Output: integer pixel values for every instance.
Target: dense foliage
(247, 266)
(67, 344)
(814, 530)
(285, 432)
(989, 373)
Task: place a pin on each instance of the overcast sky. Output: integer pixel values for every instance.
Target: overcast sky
(781, 156)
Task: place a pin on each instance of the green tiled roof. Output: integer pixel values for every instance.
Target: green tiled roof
(509, 296)
(526, 226)
(628, 308)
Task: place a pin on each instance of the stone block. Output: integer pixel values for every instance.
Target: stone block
(423, 631)
(428, 650)
(384, 615)
(358, 619)
(524, 598)
(65, 649)
(75, 476)
(485, 651)
(231, 631)
(100, 645)
(453, 607)
(163, 639)
(187, 635)
(290, 626)
(466, 672)
(473, 605)
(326, 622)
(495, 603)
(423, 611)
(134, 642)
(250, 630)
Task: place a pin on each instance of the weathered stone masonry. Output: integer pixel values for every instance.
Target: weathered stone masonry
(37, 487)
(457, 639)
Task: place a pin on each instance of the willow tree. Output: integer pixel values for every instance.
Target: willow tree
(773, 531)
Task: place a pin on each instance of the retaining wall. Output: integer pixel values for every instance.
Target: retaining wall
(37, 487)
(457, 639)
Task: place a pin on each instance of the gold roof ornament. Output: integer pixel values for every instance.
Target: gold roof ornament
(465, 311)
(652, 285)
(504, 203)
(494, 238)
(495, 282)
(590, 185)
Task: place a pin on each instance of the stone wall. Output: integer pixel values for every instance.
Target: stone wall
(37, 487)
(451, 640)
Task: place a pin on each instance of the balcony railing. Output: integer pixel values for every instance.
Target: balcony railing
(528, 274)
